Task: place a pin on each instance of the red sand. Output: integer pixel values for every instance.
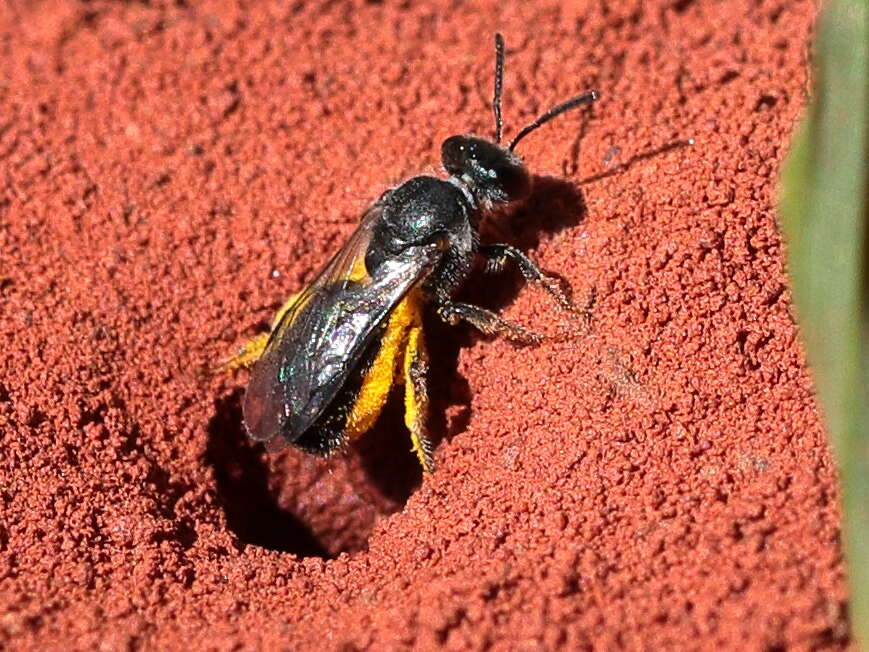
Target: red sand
(172, 170)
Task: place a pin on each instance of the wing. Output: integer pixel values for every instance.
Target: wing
(317, 342)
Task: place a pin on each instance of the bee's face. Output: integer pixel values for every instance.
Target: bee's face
(492, 172)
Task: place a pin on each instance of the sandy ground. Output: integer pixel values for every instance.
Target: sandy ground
(172, 170)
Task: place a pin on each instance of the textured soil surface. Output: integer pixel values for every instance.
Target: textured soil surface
(171, 171)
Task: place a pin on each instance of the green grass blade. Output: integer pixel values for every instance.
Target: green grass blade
(824, 211)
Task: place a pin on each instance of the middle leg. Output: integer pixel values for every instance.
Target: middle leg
(497, 255)
(486, 321)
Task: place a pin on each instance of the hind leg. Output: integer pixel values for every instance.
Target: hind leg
(250, 351)
(416, 397)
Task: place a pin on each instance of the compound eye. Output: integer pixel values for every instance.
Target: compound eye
(454, 152)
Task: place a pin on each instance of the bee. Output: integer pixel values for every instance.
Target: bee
(322, 375)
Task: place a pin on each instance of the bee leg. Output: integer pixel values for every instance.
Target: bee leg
(245, 356)
(381, 375)
(496, 256)
(487, 322)
(250, 351)
(416, 397)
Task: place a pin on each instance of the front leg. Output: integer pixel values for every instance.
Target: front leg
(496, 256)
(486, 321)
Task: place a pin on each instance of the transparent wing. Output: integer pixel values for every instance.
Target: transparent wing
(346, 266)
(318, 341)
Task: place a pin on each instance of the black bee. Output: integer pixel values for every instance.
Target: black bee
(322, 375)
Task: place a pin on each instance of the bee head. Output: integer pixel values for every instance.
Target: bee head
(490, 171)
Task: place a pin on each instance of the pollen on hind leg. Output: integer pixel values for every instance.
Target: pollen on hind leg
(252, 350)
(416, 398)
(380, 376)
(247, 354)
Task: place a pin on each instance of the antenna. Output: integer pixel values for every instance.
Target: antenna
(557, 110)
(499, 84)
